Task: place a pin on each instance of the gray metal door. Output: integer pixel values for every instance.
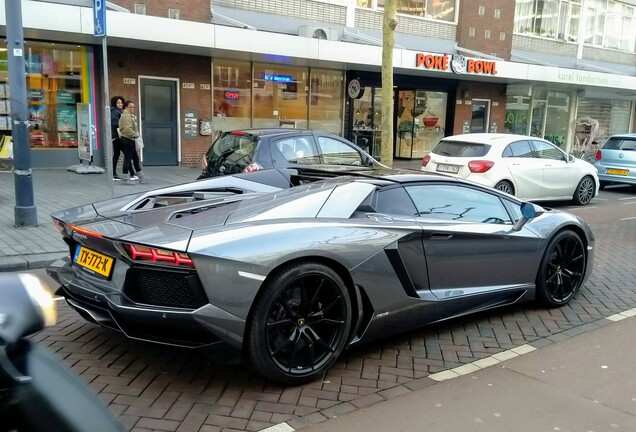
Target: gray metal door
(159, 126)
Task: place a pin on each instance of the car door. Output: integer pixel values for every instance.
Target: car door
(336, 152)
(469, 243)
(559, 177)
(526, 171)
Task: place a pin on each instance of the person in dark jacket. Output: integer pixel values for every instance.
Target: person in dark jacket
(116, 108)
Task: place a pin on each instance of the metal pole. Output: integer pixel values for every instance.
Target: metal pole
(108, 148)
(25, 212)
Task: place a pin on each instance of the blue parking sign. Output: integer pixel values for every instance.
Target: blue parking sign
(99, 18)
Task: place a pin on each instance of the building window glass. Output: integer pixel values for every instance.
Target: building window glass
(443, 10)
(326, 101)
(554, 19)
(232, 95)
(280, 96)
(608, 23)
(56, 83)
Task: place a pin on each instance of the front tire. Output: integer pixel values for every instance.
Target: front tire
(300, 323)
(561, 271)
(584, 191)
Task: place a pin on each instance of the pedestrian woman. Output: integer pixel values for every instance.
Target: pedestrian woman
(128, 131)
(116, 108)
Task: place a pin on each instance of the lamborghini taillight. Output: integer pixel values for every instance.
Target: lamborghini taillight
(152, 255)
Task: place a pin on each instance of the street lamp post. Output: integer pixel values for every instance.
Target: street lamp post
(25, 212)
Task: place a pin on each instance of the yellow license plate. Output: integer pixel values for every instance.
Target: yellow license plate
(93, 261)
(617, 171)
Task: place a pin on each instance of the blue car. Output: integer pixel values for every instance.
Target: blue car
(616, 160)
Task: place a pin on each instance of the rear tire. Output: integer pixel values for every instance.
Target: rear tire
(561, 271)
(584, 191)
(505, 186)
(300, 323)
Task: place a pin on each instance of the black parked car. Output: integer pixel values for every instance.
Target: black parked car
(256, 149)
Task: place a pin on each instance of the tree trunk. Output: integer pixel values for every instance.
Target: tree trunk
(388, 41)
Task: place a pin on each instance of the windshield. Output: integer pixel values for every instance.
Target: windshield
(461, 149)
(234, 151)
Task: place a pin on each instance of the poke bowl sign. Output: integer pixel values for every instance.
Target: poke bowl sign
(456, 63)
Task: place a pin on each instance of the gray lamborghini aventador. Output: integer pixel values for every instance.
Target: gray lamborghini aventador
(287, 277)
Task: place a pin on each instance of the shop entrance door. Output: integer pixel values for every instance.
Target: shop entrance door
(159, 121)
(480, 117)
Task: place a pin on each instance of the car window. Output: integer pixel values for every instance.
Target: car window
(455, 203)
(298, 150)
(518, 149)
(336, 152)
(547, 151)
(461, 149)
(232, 150)
(395, 201)
(620, 144)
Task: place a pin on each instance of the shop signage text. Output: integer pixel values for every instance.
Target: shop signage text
(456, 63)
(278, 78)
(582, 78)
(232, 94)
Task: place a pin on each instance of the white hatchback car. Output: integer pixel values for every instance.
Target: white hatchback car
(530, 168)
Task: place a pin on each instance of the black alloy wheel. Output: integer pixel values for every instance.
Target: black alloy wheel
(562, 269)
(300, 323)
(584, 191)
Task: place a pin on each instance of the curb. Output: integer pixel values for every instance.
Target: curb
(29, 261)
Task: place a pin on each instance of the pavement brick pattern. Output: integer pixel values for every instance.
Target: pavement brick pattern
(55, 190)
(156, 388)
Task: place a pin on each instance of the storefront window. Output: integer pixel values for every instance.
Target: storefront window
(556, 124)
(517, 114)
(326, 101)
(613, 116)
(280, 96)
(421, 119)
(367, 116)
(232, 95)
(55, 80)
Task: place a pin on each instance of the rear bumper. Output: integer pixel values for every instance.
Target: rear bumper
(610, 178)
(189, 328)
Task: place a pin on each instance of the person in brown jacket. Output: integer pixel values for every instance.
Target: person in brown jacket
(128, 131)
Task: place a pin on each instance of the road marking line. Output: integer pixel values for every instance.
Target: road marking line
(628, 203)
(628, 218)
(280, 427)
(622, 315)
(627, 198)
